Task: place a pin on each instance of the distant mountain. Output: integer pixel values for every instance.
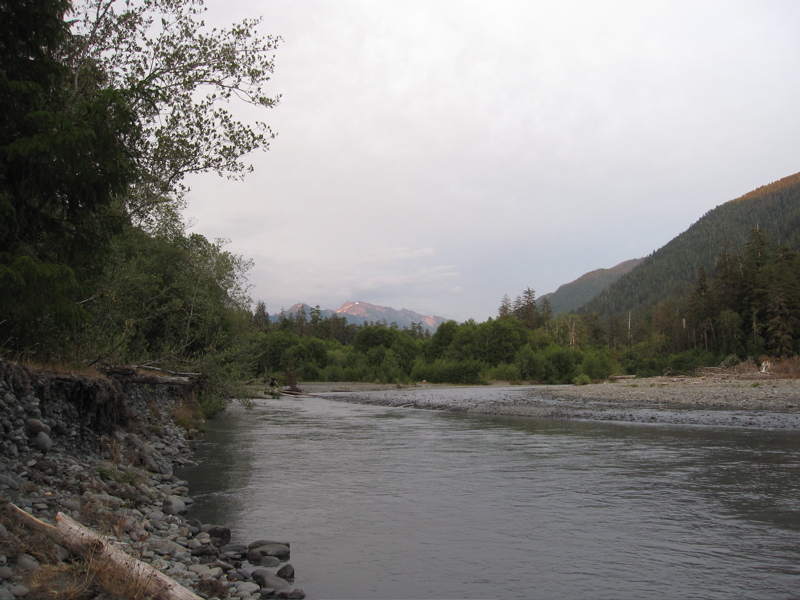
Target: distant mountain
(671, 270)
(359, 313)
(571, 296)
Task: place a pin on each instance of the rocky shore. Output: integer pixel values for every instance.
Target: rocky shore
(103, 453)
(748, 400)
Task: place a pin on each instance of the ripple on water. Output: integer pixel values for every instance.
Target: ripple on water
(387, 503)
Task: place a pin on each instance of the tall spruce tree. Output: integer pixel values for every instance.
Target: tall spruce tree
(64, 158)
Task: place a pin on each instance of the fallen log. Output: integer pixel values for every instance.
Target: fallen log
(107, 561)
(132, 374)
(158, 379)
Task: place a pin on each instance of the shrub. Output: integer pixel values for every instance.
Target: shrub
(582, 379)
(441, 371)
(597, 364)
(504, 372)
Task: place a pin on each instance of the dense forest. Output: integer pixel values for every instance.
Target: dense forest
(750, 307)
(105, 113)
(570, 297)
(670, 271)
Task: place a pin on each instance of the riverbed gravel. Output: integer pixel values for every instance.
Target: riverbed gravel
(753, 400)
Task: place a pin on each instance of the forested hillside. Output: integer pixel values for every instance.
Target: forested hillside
(571, 296)
(670, 271)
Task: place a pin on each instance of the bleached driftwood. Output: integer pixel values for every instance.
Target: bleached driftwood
(131, 374)
(106, 556)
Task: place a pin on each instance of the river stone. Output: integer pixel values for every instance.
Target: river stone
(35, 425)
(203, 550)
(259, 543)
(6, 480)
(199, 569)
(286, 572)
(212, 573)
(27, 563)
(276, 550)
(222, 565)
(5, 594)
(295, 594)
(43, 442)
(173, 505)
(166, 547)
(247, 587)
(218, 532)
(20, 591)
(237, 550)
(268, 580)
(267, 561)
(6, 573)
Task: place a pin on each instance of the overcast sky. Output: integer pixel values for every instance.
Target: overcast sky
(435, 155)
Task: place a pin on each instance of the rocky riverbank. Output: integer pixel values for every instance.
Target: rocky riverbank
(749, 400)
(103, 452)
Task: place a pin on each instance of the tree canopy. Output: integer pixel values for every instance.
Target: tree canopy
(105, 108)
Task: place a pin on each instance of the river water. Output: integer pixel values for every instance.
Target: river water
(404, 503)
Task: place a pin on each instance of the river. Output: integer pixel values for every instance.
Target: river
(404, 503)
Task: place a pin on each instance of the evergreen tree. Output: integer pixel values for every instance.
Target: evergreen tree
(756, 271)
(727, 288)
(701, 311)
(783, 304)
(261, 317)
(505, 309)
(64, 157)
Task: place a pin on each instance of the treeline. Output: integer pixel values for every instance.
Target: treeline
(749, 307)
(524, 343)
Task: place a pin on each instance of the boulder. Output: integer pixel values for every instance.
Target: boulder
(286, 572)
(35, 426)
(43, 442)
(218, 533)
(269, 549)
(173, 505)
(268, 580)
(247, 587)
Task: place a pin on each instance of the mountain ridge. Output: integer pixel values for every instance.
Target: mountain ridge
(359, 312)
(670, 271)
(569, 297)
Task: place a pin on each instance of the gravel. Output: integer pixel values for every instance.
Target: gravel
(753, 401)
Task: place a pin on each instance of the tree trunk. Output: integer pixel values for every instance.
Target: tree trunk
(115, 566)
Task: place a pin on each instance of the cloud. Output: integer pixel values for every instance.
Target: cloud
(437, 155)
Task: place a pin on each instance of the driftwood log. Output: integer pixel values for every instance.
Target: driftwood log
(133, 375)
(105, 556)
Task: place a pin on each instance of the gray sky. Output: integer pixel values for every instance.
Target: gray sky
(435, 155)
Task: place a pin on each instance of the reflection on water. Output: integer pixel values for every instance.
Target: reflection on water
(391, 503)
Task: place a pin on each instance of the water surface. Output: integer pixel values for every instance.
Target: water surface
(403, 503)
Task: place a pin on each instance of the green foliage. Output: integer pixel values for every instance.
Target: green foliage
(64, 158)
(689, 361)
(597, 364)
(182, 78)
(582, 379)
(504, 372)
(467, 372)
